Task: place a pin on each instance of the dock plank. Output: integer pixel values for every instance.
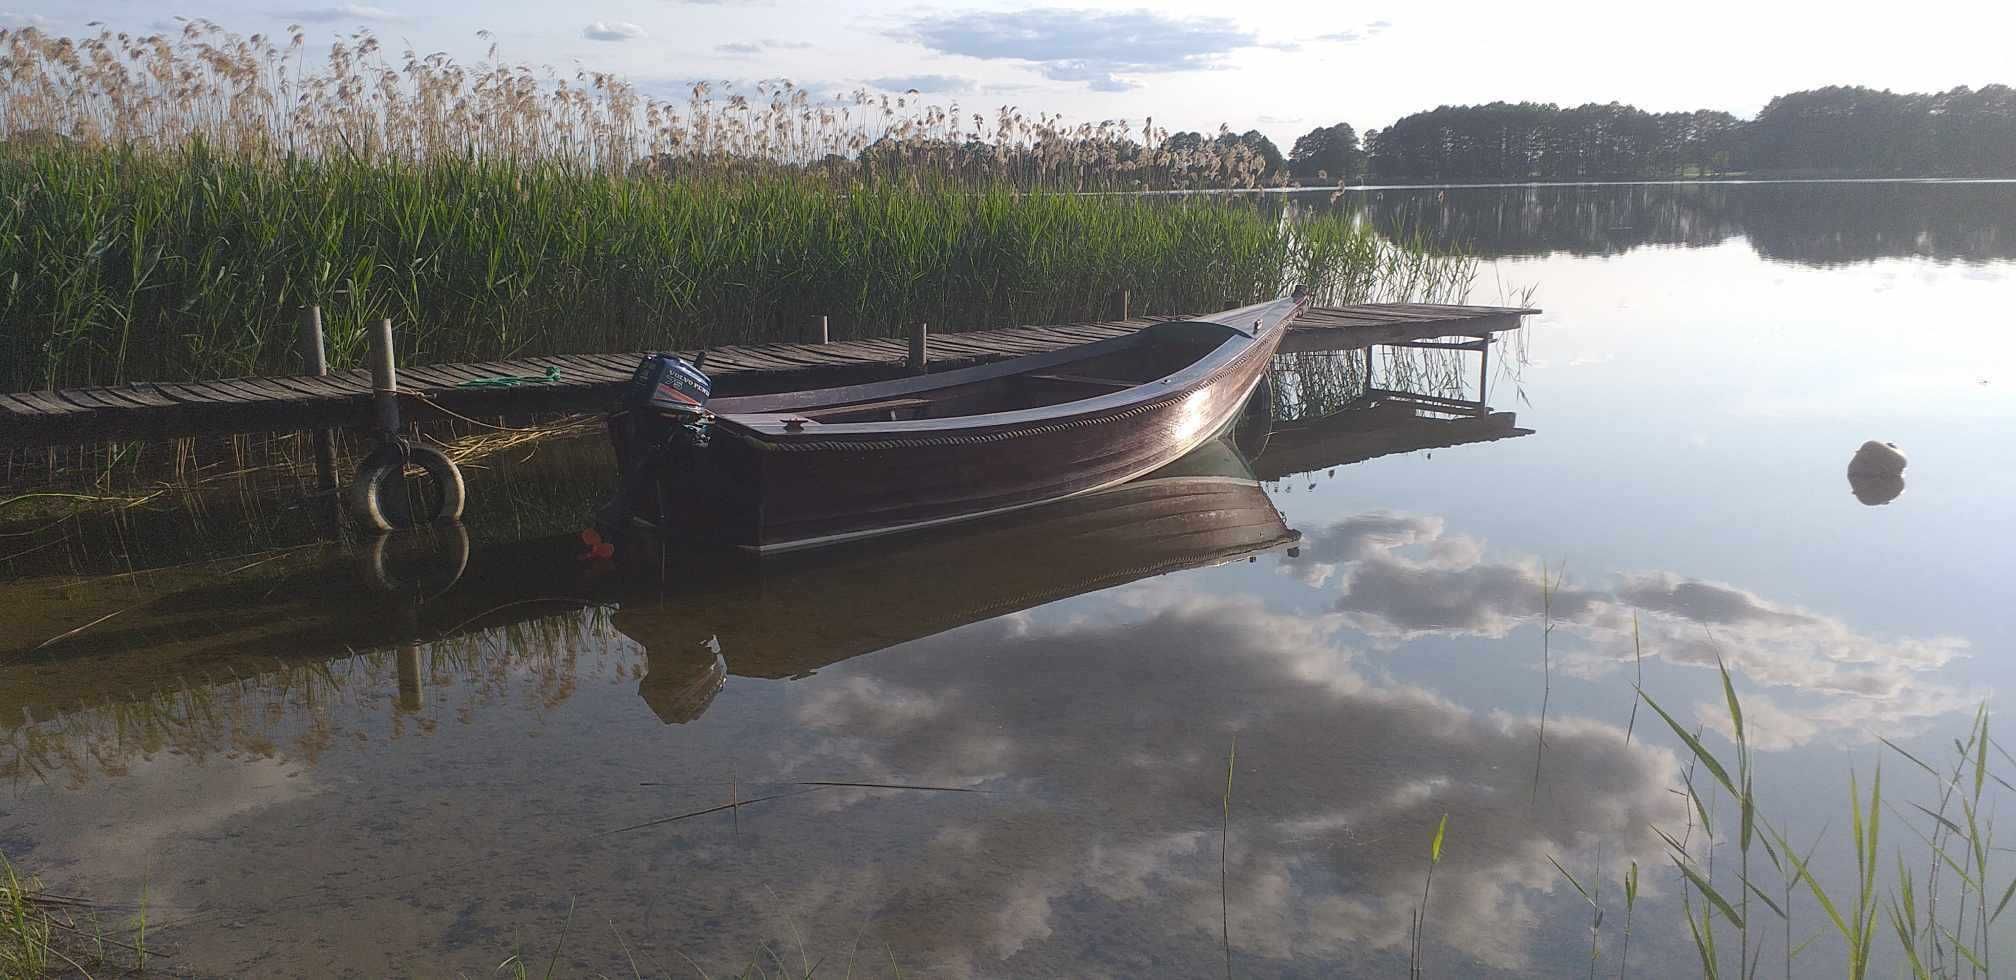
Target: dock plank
(340, 399)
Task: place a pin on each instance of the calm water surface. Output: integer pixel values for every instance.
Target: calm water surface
(301, 776)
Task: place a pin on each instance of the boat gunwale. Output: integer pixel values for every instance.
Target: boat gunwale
(769, 430)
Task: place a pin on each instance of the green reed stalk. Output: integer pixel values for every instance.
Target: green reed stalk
(119, 265)
(1415, 954)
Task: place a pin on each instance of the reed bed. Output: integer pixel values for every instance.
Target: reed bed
(122, 265)
(176, 199)
(267, 97)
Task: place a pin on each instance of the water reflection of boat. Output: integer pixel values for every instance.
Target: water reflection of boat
(71, 643)
(824, 607)
(778, 618)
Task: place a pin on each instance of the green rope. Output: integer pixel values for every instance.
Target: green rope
(552, 376)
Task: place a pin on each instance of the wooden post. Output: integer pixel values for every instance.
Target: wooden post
(315, 356)
(920, 351)
(825, 336)
(1483, 373)
(1368, 367)
(384, 379)
(1125, 302)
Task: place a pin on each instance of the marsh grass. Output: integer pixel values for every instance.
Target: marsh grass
(1871, 920)
(274, 97)
(176, 199)
(127, 266)
(48, 935)
(278, 708)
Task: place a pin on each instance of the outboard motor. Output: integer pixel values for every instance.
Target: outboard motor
(668, 383)
(661, 421)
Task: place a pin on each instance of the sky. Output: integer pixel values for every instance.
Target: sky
(1280, 67)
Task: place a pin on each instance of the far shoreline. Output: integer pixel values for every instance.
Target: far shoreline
(1648, 181)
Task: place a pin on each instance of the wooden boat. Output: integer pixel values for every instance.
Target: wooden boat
(802, 469)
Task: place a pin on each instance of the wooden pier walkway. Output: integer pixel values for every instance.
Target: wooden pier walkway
(165, 410)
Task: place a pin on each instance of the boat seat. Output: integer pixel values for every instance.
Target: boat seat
(1079, 379)
(888, 408)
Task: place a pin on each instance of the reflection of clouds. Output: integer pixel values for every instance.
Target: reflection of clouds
(1341, 780)
(160, 802)
(1360, 537)
(1401, 576)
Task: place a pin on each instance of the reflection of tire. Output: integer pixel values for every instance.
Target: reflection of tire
(383, 475)
(444, 567)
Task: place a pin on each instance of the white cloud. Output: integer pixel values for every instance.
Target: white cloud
(924, 84)
(1359, 33)
(612, 31)
(1093, 47)
(743, 49)
(346, 12)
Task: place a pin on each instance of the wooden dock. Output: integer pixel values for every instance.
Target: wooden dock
(586, 382)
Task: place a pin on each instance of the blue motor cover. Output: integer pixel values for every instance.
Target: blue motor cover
(668, 383)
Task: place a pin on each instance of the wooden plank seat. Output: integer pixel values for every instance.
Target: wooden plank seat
(1109, 384)
(887, 408)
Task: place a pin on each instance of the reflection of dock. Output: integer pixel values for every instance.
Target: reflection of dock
(1386, 425)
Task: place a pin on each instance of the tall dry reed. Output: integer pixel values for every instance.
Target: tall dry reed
(174, 201)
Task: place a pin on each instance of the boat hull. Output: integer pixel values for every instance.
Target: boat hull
(774, 483)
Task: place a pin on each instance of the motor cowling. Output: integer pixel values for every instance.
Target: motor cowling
(662, 421)
(668, 383)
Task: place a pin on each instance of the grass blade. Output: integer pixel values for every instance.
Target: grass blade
(1694, 745)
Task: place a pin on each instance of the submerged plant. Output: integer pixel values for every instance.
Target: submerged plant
(1420, 918)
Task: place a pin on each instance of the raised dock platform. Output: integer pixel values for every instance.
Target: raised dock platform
(166, 410)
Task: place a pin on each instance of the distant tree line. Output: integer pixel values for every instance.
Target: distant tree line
(1838, 130)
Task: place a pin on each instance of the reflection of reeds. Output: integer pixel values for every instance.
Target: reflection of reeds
(1370, 269)
(82, 513)
(298, 710)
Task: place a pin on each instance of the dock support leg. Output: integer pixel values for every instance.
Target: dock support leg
(1483, 373)
(920, 350)
(315, 355)
(384, 381)
(825, 336)
(380, 498)
(1124, 304)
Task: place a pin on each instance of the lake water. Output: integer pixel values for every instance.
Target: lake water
(1006, 751)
